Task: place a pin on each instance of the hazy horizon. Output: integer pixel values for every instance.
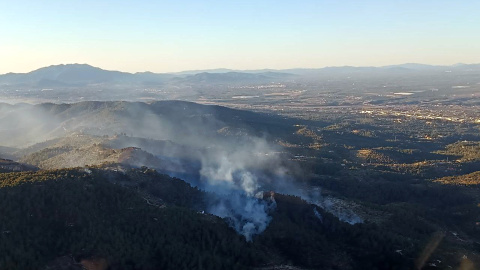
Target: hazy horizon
(188, 35)
(212, 70)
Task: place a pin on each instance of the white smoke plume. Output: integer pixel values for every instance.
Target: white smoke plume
(248, 215)
(233, 173)
(339, 208)
(221, 158)
(317, 214)
(192, 143)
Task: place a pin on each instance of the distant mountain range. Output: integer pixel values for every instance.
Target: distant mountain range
(77, 75)
(83, 75)
(301, 71)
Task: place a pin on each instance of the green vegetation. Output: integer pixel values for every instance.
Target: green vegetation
(471, 179)
(466, 150)
(407, 179)
(299, 235)
(140, 219)
(53, 213)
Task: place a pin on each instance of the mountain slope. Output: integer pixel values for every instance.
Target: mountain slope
(139, 219)
(7, 165)
(75, 212)
(84, 75)
(77, 75)
(26, 124)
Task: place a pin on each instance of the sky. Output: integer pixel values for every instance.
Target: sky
(170, 36)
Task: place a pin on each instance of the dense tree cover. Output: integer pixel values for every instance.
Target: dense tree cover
(53, 213)
(471, 179)
(440, 204)
(416, 208)
(383, 187)
(465, 150)
(323, 242)
(157, 186)
(140, 219)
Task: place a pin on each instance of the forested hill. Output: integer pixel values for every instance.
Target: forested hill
(7, 165)
(124, 218)
(26, 124)
(84, 214)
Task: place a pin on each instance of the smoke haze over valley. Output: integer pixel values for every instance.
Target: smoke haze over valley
(333, 145)
(184, 139)
(327, 152)
(193, 135)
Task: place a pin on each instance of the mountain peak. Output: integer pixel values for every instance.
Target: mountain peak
(74, 66)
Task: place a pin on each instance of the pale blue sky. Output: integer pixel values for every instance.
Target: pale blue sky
(163, 36)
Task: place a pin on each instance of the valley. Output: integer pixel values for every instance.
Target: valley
(242, 135)
(312, 169)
